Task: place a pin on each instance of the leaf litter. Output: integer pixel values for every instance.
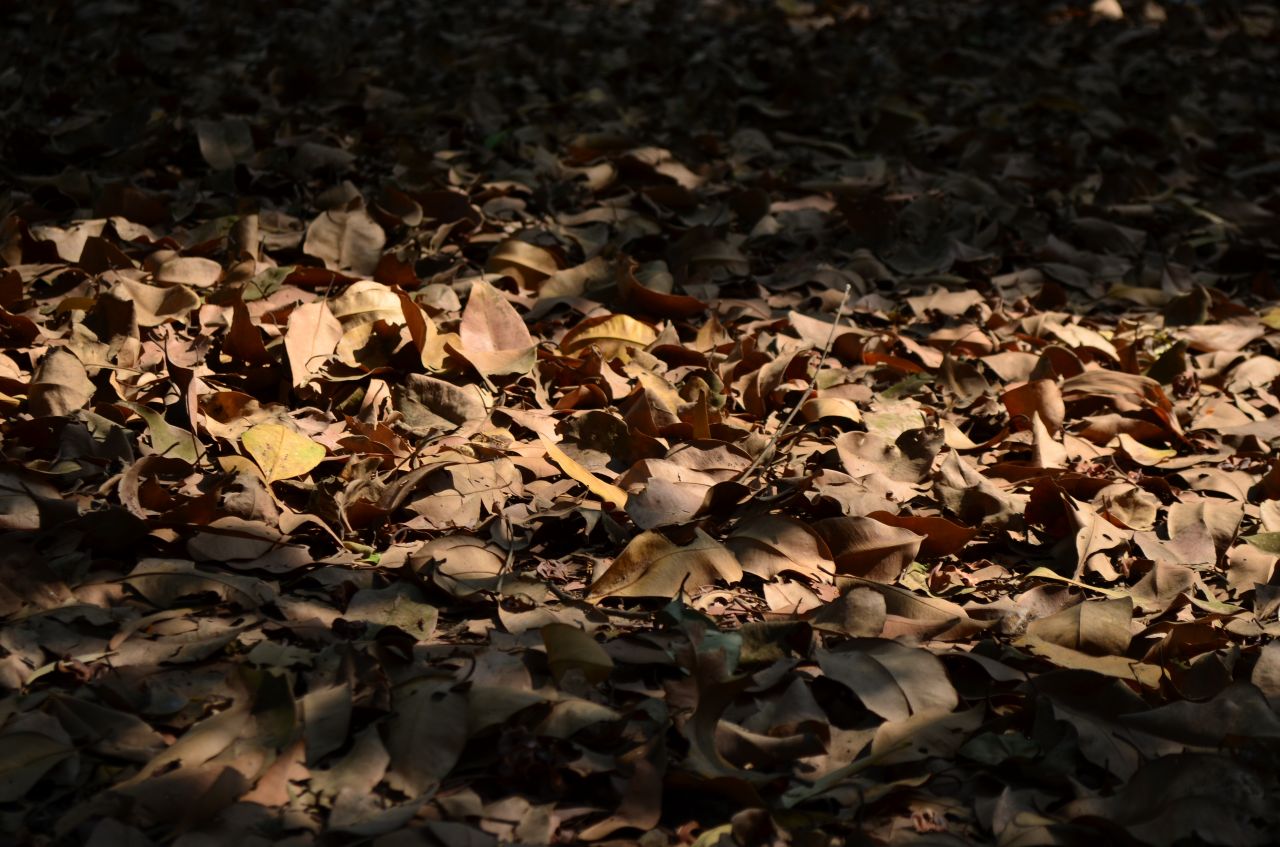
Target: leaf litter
(738, 423)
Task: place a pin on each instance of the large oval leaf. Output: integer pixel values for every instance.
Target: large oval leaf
(654, 566)
(281, 452)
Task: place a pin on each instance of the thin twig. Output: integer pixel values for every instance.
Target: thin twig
(808, 392)
(577, 602)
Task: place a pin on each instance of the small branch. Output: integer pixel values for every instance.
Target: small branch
(808, 392)
(578, 603)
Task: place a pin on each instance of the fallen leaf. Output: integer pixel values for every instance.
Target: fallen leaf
(615, 335)
(60, 385)
(494, 337)
(571, 649)
(346, 239)
(653, 566)
(1097, 627)
(281, 453)
(867, 548)
(311, 338)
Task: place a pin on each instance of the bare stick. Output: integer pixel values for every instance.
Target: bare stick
(808, 392)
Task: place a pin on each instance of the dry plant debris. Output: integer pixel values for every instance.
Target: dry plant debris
(660, 422)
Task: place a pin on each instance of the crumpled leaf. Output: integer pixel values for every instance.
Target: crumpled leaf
(432, 405)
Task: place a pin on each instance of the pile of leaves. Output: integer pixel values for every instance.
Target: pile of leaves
(654, 422)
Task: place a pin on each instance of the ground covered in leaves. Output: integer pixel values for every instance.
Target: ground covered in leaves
(664, 422)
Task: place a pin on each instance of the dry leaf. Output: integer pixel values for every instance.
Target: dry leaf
(571, 649)
(653, 566)
(281, 453)
(616, 336)
(867, 548)
(312, 337)
(346, 239)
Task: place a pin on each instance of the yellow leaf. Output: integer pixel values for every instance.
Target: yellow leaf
(281, 452)
(237, 464)
(597, 486)
(1141, 453)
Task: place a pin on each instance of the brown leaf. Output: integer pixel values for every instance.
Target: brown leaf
(346, 239)
(856, 613)
(892, 680)
(226, 143)
(971, 496)
(571, 649)
(867, 548)
(1097, 627)
(942, 537)
(434, 405)
(426, 734)
(774, 544)
(654, 566)
(1039, 397)
(60, 385)
(494, 337)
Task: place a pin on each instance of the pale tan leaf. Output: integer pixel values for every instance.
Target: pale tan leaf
(311, 338)
(494, 337)
(348, 240)
(60, 385)
(189, 270)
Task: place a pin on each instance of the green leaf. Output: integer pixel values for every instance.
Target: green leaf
(1267, 542)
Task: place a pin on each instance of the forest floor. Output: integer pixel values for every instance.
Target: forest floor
(664, 422)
